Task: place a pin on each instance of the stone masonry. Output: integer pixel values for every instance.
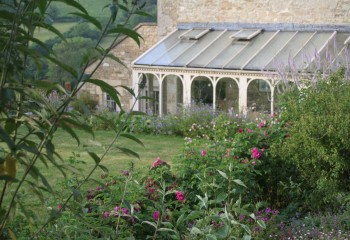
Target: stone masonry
(171, 13)
(116, 74)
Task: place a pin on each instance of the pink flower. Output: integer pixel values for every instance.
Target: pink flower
(156, 215)
(157, 162)
(261, 124)
(125, 173)
(265, 133)
(250, 130)
(256, 153)
(203, 153)
(253, 163)
(59, 207)
(105, 215)
(180, 196)
(240, 130)
(125, 210)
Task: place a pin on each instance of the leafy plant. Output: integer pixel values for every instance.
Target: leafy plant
(27, 138)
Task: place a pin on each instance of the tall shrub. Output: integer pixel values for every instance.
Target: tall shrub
(318, 143)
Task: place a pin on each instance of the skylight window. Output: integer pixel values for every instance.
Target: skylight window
(194, 34)
(246, 34)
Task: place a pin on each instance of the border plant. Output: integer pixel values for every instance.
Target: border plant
(28, 138)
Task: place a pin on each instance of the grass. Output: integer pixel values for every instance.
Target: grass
(165, 147)
(44, 34)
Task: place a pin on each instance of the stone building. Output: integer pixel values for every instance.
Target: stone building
(227, 52)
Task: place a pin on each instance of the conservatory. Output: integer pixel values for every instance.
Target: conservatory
(234, 67)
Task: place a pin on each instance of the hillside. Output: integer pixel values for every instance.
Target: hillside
(60, 17)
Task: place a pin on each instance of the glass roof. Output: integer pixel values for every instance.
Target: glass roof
(245, 49)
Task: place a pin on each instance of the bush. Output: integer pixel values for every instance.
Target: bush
(318, 143)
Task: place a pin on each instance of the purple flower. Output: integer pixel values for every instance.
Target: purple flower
(203, 153)
(156, 215)
(180, 196)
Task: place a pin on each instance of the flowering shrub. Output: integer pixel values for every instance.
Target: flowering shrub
(156, 206)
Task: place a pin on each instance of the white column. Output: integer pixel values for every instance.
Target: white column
(161, 77)
(135, 84)
(187, 90)
(243, 88)
(214, 82)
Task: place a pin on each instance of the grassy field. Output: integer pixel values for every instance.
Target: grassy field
(165, 147)
(44, 34)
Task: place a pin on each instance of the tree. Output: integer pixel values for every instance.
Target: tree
(71, 53)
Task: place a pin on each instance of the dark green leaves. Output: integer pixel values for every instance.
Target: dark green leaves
(105, 87)
(127, 32)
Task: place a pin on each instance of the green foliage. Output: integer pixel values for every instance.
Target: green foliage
(27, 137)
(86, 103)
(65, 50)
(318, 142)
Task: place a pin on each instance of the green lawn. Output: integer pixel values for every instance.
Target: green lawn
(165, 147)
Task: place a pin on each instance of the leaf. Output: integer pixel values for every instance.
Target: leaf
(246, 228)
(127, 32)
(165, 230)
(150, 223)
(221, 197)
(95, 157)
(69, 130)
(90, 19)
(247, 237)
(7, 139)
(115, 58)
(180, 220)
(41, 5)
(11, 234)
(63, 66)
(239, 182)
(74, 4)
(261, 223)
(135, 139)
(131, 91)
(114, 12)
(105, 169)
(128, 152)
(52, 29)
(194, 215)
(222, 174)
(105, 87)
(196, 231)
(8, 168)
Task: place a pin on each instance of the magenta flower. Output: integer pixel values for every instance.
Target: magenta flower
(250, 130)
(125, 210)
(105, 215)
(256, 153)
(203, 153)
(125, 173)
(180, 196)
(157, 162)
(156, 215)
(261, 124)
(240, 130)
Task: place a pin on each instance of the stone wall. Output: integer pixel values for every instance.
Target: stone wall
(171, 12)
(114, 73)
